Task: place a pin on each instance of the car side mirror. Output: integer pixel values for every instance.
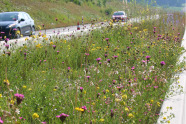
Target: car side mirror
(21, 20)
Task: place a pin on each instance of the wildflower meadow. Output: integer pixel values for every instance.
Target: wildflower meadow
(116, 74)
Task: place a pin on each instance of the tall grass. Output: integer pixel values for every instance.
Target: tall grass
(114, 75)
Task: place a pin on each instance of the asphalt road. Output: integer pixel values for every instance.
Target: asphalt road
(64, 31)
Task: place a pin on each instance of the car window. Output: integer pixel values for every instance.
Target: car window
(28, 16)
(118, 13)
(8, 16)
(21, 16)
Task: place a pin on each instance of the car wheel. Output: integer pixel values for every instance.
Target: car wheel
(32, 31)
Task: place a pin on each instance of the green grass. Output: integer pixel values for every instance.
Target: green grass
(45, 12)
(130, 85)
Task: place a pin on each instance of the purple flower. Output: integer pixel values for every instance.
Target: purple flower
(98, 95)
(162, 63)
(54, 46)
(2, 32)
(108, 60)
(133, 68)
(106, 55)
(6, 40)
(68, 69)
(62, 117)
(155, 87)
(148, 57)
(115, 57)
(19, 98)
(106, 39)
(81, 89)
(112, 113)
(84, 107)
(98, 59)
(7, 46)
(87, 54)
(1, 121)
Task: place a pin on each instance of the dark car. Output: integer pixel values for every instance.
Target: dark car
(15, 24)
(119, 15)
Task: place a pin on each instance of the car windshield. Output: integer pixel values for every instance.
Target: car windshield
(118, 13)
(8, 16)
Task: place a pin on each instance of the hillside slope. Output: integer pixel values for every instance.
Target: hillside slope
(68, 13)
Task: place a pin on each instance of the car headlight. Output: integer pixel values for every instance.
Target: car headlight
(11, 25)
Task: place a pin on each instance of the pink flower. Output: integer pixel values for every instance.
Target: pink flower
(106, 39)
(62, 117)
(155, 87)
(162, 63)
(98, 59)
(54, 46)
(81, 89)
(133, 68)
(84, 107)
(43, 122)
(7, 46)
(87, 54)
(115, 57)
(148, 57)
(19, 98)
(1, 121)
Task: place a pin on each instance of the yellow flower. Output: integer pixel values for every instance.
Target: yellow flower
(158, 104)
(107, 90)
(1, 95)
(168, 122)
(12, 101)
(43, 71)
(24, 87)
(26, 39)
(97, 87)
(131, 115)
(164, 118)
(6, 81)
(84, 91)
(44, 36)
(30, 89)
(104, 97)
(79, 109)
(102, 120)
(93, 103)
(124, 96)
(54, 89)
(151, 101)
(35, 115)
(117, 100)
(93, 44)
(126, 109)
(38, 46)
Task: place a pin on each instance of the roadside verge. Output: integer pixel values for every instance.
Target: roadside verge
(173, 110)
